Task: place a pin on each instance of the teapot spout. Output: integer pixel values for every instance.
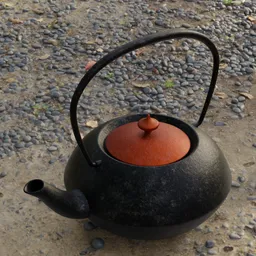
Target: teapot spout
(71, 204)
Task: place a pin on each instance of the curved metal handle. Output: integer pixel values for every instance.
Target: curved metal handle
(131, 46)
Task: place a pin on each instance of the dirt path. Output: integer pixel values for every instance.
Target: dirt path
(30, 228)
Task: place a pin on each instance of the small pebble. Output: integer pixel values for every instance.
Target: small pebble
(252, 185)
(52, 148)
(235, 184)
(20, 145)
(241, 98)
(241, 179)
(52, 161)
(251, 198)
(236, 110)
(225, 225)
(251, 254)
(88, 226)
(212, 252)
(219, 124)
(199, 228)
(27, 138)
(84, 252)
(97, 243)
(234, 236)
(241, 233)
(209, 244)
(250, 244)
(2, 175)
(234, 101)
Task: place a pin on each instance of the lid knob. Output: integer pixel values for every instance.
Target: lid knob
(148, 124)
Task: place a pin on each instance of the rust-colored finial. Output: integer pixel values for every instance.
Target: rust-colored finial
(148, 124)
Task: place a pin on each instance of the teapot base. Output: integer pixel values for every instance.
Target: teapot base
(149, 233)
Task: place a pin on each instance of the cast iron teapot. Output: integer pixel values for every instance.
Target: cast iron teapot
(143, 177)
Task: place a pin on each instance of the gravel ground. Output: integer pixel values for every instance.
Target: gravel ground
(44, 47)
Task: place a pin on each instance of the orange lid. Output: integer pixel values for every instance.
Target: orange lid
(148, 143)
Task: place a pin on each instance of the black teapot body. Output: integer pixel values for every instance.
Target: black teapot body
(140, 202)
(150, 202)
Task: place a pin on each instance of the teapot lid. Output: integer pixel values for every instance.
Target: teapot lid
(148, 142)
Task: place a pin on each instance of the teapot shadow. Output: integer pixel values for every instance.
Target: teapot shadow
(116, 245)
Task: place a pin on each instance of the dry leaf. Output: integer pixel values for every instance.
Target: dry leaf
(99, 50)
(223, 65)
(139, 52)
(221, 95)
(39, 20)
(19, 37)
(53, 42)
(7, 5)
(38, 11)
(15, 21)
(252, 19)
(92, 124)
(10, 80)
(140, 85)
(44, 57)
(228, 248)
(155, 71)
(89, 64)
(90, 42)
(247, 95)
(72, 136)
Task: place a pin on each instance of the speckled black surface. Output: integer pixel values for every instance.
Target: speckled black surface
(70, 204)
